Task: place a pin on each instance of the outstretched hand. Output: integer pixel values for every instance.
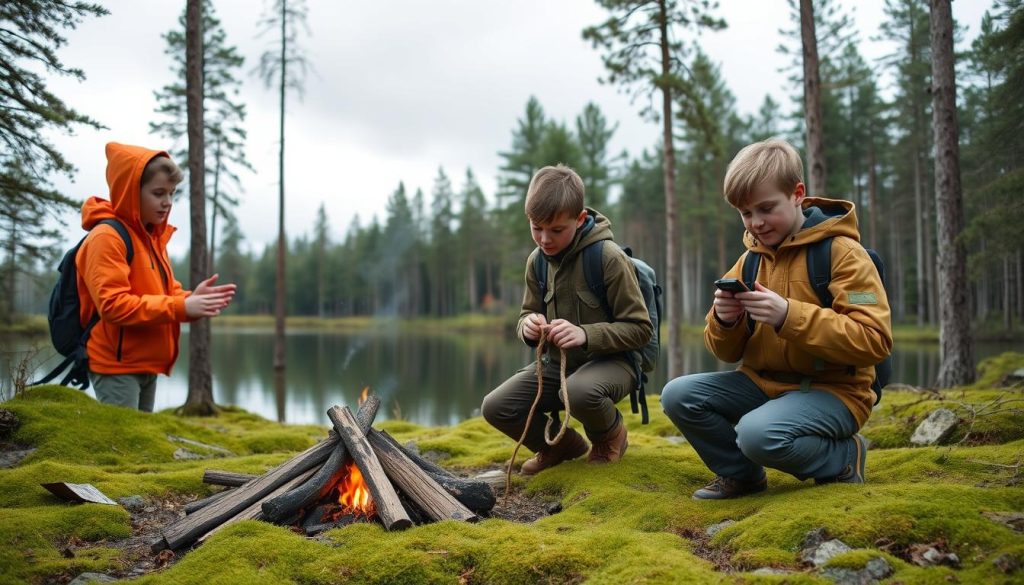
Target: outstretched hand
(208, 299)
(764, 305)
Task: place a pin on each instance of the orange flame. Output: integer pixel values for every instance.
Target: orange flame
(354, 494)
(362, 397)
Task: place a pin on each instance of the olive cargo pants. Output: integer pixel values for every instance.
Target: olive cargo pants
(594, 389)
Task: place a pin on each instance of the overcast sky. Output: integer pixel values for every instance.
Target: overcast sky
(398, 89)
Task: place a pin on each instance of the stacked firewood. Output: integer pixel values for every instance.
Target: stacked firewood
(404, 488)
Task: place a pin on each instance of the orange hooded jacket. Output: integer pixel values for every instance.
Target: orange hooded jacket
(140, 306)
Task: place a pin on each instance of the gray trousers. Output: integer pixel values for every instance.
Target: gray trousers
(129, 390)
(738, 431)
(594, 389)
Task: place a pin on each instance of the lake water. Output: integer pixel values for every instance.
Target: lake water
(431, 379)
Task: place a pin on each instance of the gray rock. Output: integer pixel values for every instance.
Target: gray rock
(824, 552)
(553, 508)
(92, 578)
(1006, 563)
(716, 528)
(939, 424)
(494, 478)
(9, 459)
(771, 571)
(875, 570)
(183, 454)
(192, 443)
(676, 440)
(814, 538)
(132, 503)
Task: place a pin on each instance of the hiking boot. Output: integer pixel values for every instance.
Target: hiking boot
(724, 488)
(570, 447)
(609, 447)
(854, 471)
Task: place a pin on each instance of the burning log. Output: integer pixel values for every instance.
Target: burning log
(315, 528)
(386, 501)
(279, 508)
(437, 503)
(185, 531)
(226, 478)
(476, 495)
(254, 511)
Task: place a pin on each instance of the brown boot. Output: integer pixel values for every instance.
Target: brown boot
(609, 447)
(570, 447)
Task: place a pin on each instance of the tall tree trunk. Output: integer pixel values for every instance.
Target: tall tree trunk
(200, 385)
(930, 261)
(872, 195)
(818, 175)
(212, 260)
(1020, 287)
(920, 243)
(899, 281)
(1007, 295)
(673, 300)
(957, 366)
(981, 312)
(282, 242)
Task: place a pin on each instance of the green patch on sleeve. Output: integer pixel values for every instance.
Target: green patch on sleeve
(862, 298)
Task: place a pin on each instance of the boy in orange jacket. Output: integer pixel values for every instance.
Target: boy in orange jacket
(140, 306)
(803, 389)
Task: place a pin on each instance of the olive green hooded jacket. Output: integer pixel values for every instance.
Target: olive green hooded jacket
(569, 298)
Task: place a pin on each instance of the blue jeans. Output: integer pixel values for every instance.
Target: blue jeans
(738, 431)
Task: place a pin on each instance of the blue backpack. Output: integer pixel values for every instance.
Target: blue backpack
(819, 270)
(646, 358)
(66, 331)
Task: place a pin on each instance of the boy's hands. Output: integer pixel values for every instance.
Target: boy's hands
(762, 304)
(207, 300)
(566, 335)
(727, 307)
(532, 326)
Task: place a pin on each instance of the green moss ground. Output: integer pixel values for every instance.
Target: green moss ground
(620, 524)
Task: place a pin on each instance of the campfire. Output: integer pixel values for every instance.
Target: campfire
(358, 474)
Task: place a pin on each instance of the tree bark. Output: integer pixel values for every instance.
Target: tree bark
(957, 367)
(282, 242)
(673, 300)
(817, 177)
(200, 384)
(254, 511)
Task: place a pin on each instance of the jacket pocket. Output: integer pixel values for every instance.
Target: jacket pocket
(588, 307)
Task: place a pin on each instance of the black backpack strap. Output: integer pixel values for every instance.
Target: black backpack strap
(540, 272)
(751, 264)
(123, 232)
(593, 271)
(819, 269)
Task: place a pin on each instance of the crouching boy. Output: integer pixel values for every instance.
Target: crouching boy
(599, 370)
(803, 388)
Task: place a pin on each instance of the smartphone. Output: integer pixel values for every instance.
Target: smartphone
(733, 285)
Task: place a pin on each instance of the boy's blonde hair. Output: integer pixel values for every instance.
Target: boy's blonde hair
(161, 164)
(773, 160)
(554, 191)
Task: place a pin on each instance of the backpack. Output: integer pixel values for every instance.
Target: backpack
(66, 331)
(819, 271)
(646, 358)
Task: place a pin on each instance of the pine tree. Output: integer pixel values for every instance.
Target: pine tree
(643, 54)
(223, 118)
(283, 65)
(31, 35)
(593, 134)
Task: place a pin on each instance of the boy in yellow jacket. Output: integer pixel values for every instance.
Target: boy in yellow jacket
(803, 387)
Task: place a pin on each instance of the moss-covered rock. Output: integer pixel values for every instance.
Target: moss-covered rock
(629, 522)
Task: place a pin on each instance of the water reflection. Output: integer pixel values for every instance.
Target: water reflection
(429, 379)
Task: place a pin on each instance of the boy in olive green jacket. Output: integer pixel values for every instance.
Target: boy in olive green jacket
(599, 370)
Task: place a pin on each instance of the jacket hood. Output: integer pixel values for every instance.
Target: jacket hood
(125, 164)
(822, 218)
(595, 227)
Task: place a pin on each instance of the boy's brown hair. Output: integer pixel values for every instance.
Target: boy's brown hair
(773, 160)
(554, 191)
(161, 164)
